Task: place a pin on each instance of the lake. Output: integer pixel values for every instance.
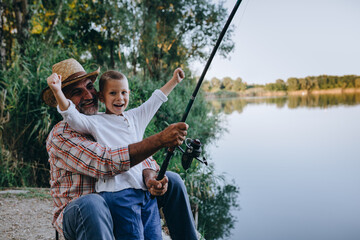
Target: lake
(297, 163)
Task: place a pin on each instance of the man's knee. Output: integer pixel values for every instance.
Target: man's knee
(87, 216)
(92, 201)
(91, 204)
(176, 184)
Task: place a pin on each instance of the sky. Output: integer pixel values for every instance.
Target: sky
(279, 39)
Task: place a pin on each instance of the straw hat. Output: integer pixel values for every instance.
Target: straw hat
(71, 71)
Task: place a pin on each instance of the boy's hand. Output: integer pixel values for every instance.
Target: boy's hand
(54, 82)
(178, 75)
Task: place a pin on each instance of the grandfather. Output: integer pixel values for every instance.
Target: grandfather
(76, 162)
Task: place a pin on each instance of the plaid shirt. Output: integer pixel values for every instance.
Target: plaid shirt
(76, 162)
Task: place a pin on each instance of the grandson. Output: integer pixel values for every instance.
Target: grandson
(135, 214)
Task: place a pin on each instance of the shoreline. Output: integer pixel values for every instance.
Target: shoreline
(260, 92)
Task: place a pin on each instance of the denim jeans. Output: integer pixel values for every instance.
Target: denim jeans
(89, 216)
(135, 215)
(176, 209)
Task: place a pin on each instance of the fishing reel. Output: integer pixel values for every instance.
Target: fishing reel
(193, 150)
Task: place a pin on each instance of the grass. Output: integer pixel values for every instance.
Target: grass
(40, 193)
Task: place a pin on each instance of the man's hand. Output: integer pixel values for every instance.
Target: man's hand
(174, 135)
(156, 188)
(54, 82)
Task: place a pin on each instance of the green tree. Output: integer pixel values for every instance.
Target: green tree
(174, 32)
(357, 82)
(215, 83)
(23, 160)
(293, 84)
(145, 39)
(280, 85)
(216, 200)
(206, 86)
(227, 83)
(238, 85)
(15, 16)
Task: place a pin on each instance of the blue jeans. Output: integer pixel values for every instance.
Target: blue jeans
(89, 216)
(176, 208)
(135, 215)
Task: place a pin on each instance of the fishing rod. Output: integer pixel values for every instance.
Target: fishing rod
(193, 146)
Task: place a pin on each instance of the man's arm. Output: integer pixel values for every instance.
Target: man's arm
(172, 136)
(75, 153)
(150, 163)
(72, 151)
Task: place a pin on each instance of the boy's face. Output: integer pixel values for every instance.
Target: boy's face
(115, 95)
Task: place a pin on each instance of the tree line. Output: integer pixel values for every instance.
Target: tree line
(309, 83)
(146, 40)
(231, 105)
(227, 83)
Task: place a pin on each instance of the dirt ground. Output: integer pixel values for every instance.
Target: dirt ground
(26, 215)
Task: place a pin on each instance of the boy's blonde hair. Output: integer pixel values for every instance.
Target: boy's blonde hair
(110, 75)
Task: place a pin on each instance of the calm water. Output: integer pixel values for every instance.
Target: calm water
(297, 163)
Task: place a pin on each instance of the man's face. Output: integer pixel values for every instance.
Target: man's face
(84, 96)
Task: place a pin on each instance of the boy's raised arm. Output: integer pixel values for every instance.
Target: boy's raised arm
(171, 84)
(54, 82)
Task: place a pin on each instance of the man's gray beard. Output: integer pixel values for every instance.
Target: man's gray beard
(89, 111)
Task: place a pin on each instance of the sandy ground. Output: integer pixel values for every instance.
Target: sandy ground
(25, 218)
(28, 215)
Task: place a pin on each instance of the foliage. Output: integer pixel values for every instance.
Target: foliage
(308, 83)
(231, 105)
(144, 39)
(214, 198)
(322, 82)
(176, 31)
(278, 86)
(147, 36)
(23, 158)
(226, 83)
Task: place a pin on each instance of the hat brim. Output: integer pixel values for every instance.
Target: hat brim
(48, 96)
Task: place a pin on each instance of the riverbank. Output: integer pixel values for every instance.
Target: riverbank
(261, 92)
(26, 213)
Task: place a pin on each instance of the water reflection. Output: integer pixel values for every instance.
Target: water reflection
(296, 162)
(230, 105)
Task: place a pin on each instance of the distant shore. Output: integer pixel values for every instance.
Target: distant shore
(261, 92)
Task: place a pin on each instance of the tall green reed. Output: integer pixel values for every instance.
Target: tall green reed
(25, 120)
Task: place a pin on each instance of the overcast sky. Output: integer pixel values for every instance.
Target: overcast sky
(278, 39)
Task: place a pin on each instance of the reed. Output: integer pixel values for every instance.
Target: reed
(24, 120)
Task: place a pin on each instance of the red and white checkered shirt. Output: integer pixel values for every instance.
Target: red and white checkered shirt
(76, 162)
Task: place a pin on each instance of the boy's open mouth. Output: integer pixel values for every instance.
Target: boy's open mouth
(119, 105)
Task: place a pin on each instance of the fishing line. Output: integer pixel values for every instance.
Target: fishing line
(196, 143)
(243, 13)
